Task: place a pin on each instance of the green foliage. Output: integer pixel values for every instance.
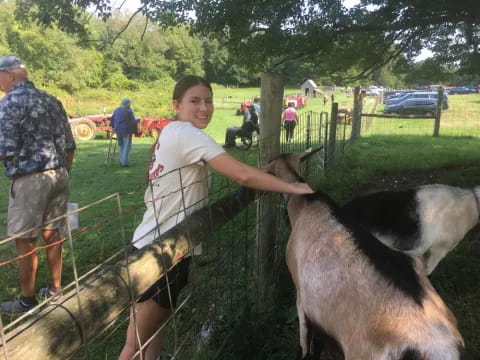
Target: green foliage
(428, 72)
(185, 51)
(237, 43)
(118, 81)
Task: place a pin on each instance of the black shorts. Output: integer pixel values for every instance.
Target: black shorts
(177, 279)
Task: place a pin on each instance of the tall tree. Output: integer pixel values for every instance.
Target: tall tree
(264, 34)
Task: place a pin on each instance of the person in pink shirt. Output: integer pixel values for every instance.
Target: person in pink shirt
(289, 120)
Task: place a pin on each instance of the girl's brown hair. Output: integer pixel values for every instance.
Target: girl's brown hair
(187, 82)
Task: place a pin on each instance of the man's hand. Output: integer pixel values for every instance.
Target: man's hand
(69, 163)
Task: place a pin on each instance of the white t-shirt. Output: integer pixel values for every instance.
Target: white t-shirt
(179, 180)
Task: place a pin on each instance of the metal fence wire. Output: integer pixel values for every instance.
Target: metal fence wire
(90, 320)
(461, 119)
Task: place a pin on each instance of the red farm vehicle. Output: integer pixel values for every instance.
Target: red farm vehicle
(152, 125)
(243, 106)
(86, 127)
(299, 102)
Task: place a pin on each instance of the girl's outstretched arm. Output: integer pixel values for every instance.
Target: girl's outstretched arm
(254, 178)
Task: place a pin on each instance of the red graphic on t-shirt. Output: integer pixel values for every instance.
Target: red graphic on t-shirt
(159, 169)
(153, 174)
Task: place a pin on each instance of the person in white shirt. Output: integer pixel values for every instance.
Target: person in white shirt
(178, 175)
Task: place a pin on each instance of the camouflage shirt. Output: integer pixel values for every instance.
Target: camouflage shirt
(34, 131)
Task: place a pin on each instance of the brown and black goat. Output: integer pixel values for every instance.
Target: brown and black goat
(377, 303)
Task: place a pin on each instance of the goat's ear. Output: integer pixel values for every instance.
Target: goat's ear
(309, 152)
(269, 168)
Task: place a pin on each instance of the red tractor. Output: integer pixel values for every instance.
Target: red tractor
(153, 125)
(299, 102)
(85, 127)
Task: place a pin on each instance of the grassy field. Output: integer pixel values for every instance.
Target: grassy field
(368, 163)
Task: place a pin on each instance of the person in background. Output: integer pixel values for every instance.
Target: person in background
(247, 129)
(258, 108)
(289, 120)
(247, 112)
(123, 124)
(37, 148)
(178, 175)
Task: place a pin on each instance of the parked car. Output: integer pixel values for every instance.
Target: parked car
(396, 98)
(432, 95)
(390, 95)
(374, 91)
(413, 107)
(462, 90)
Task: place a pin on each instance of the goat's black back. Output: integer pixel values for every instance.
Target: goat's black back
(389, 213)
(395, 267)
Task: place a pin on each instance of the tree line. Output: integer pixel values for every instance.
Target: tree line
(117, 51)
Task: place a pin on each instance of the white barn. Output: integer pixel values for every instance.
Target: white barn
(309, 88)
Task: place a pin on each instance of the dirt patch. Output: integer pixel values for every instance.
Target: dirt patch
(456, 175)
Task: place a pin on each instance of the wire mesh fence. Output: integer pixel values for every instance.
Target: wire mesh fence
(462, 118)
(223, 282)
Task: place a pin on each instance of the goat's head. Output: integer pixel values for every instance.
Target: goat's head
(287, 166)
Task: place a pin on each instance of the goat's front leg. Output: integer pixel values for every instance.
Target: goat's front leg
(310, 346)
(303, 330)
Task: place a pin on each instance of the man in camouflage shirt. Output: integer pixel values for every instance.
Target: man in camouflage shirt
(37, 147)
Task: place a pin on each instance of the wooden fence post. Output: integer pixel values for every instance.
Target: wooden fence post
(438, 112)
(332, 135)
(357, 114)
(269, 147)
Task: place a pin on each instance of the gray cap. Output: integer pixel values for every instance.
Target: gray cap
(10, 62)
(126, 102)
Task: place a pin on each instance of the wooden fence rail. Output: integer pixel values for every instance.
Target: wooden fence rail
(56, 332)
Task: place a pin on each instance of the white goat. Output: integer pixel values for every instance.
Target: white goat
(377, 303)
(429, 220)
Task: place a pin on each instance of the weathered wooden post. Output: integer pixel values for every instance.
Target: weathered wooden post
(269, 147)
(357, 115)
(438, 111)
(332, 135)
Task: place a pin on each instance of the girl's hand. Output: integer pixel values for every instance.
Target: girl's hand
(301, 188)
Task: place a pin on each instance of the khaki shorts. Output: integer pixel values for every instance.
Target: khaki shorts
(35, 199)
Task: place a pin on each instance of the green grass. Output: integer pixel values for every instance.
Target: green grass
(371, 157)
